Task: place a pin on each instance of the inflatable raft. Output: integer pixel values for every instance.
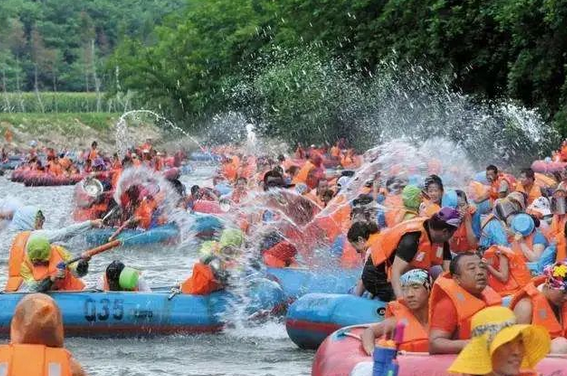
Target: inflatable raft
(341, 354)
(41, 179)
(548, 167)
(313, 317)
(168, 233)
(297, 282)
(204, 157)
(118, 314)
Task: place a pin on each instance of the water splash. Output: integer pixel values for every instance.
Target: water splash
(123, 140)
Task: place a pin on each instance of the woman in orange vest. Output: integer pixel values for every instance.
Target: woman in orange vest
(412, 308)
(544, 302)
(507, 270)
(528, 241)
(411, 199)
(37, 341)
(43, 268)
(455, 297)
(433, 194)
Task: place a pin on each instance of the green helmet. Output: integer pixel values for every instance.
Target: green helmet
(39, 248)
(129, 278)
(411, 196)
(231, 238)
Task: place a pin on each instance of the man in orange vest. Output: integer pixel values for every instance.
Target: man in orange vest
(42, 268)
(417, 243)
(37, 341)
(412, 308)
(500, 186)
(209, 275)
(528, 186)
(455, 298)
(544, 302)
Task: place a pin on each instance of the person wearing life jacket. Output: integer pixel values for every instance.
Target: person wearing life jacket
(466, 236)
(42, 268)
(540, 209)
(411, 199)
(544, 302)
(418, 243)
(507, 270)
(527, 185)
(500, 184)
(559, 222)
(494, 228)
(456, 296)
(528, 241)
(433, 193)
(500, 345)
(209, 275)
(119, 277)
(412, 308)
(37, 341)
(93, 152)
(361, 236)
(393, 200)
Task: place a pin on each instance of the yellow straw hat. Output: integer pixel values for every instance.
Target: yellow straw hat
(493, 327)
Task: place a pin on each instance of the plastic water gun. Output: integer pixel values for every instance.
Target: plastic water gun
(385, 362)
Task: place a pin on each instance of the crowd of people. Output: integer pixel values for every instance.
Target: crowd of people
(442, 258)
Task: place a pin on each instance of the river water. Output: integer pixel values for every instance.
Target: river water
(263, 350)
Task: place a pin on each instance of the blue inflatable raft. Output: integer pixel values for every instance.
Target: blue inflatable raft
(297, 282)
(313, 317)
(160, 234)
(204, 157)
(119, 314)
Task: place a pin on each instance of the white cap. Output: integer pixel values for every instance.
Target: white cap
(541, 205)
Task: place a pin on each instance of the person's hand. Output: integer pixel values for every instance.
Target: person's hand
(368, 348)
(96, 223)
(487, 261)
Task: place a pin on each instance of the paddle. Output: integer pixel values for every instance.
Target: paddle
(120, 229)
(96, 251)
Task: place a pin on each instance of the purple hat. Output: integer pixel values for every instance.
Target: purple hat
(450, 216)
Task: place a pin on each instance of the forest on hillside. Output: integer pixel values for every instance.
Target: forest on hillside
(292, 65)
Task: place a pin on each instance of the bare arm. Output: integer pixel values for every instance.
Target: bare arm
(523, 311)
(359, 288)
(440, 342)
(446, 264)
(398, 268)
(531, 254)
(374, 331)
(504, 273)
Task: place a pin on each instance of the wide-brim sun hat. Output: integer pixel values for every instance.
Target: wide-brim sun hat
(493, 327)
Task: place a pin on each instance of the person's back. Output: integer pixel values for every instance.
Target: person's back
(36, 340)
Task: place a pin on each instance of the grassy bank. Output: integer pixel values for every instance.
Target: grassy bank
(51, 102)
(63, 122)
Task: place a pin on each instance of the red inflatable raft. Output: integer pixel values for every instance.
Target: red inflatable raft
(42, 179)
(545, 167)
(341, 354)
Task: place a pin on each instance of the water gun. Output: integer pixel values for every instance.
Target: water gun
(385, 354)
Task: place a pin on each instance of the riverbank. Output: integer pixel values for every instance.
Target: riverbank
(72, 130)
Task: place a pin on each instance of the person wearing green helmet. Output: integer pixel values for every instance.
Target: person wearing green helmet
(43, 268)
(119, 277)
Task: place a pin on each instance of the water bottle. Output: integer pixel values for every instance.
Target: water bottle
(383, 356)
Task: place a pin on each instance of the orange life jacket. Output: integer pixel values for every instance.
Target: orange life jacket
(460, 241)
(535, 192)
(428, 209)
(465, 303)
(558, 233)
(144, 212)
(301, 176)
(416, 337)
(93, 154)
(529, 242)
(201, 282)
(106, 287)
(392, 203)
(495, 186)
(36, 360)
(17, 254)
(428, 253)
(542, 313)
(519, 275)
(398, 216)
(69, 283)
